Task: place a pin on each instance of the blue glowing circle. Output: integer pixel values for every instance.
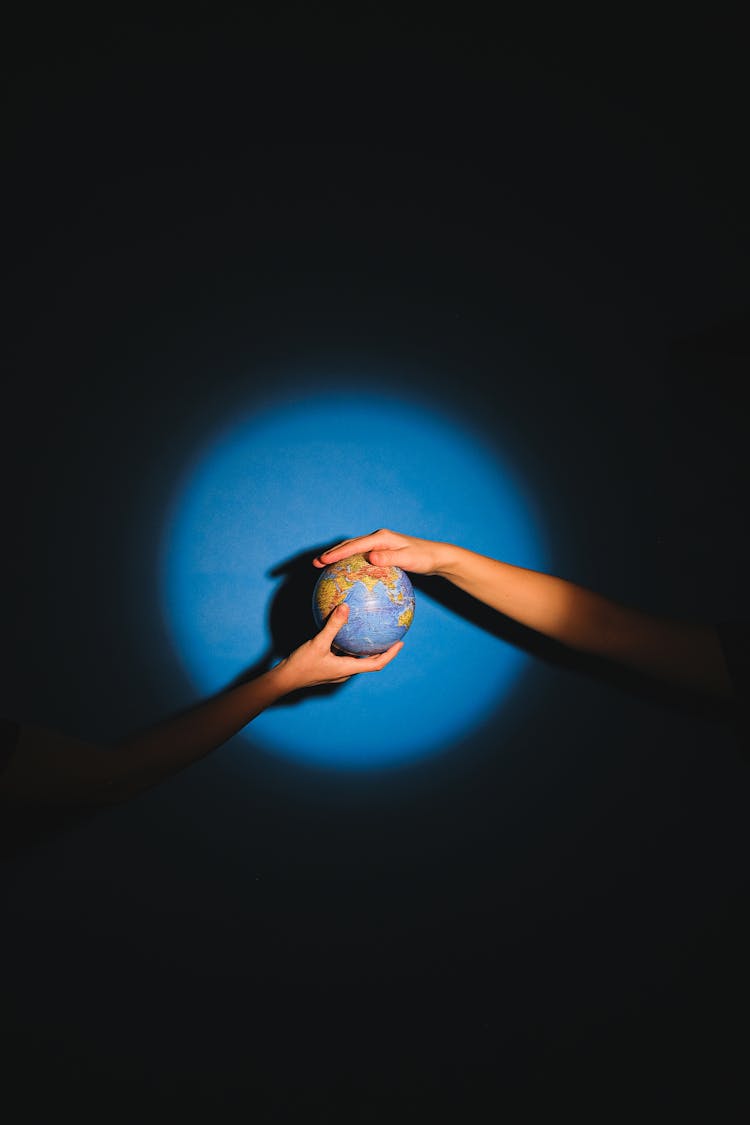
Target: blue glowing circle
(290, 476)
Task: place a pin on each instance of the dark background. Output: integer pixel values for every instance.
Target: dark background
(549, 221)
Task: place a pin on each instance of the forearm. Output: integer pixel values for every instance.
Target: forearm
(145, 759)
(559, 609)
(685, 653)
(50, 768)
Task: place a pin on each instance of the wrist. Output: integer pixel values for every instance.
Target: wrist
(447, 560)
(281, 679)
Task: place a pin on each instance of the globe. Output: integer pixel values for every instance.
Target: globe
(380, 600)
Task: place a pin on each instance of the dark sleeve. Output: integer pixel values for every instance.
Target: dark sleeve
(9, 732)
(735, 643)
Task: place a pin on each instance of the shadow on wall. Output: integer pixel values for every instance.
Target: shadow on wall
(290, 622)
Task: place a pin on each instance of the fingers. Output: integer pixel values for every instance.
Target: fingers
(354, 665)
(358, 546)
(375, 663)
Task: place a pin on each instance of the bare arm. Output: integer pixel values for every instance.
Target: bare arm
(684, 653)
(50, 768)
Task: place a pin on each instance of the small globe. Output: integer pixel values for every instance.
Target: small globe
(380, 600)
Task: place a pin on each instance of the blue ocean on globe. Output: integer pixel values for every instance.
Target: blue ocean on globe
(380, 600)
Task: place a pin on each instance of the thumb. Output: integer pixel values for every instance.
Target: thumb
(385, 557)
(335, 621)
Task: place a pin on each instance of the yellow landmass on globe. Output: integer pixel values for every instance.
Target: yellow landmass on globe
(328, 596)
(406, 617)
(347, 572)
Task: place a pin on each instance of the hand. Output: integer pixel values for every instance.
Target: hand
(388, 548)
(314, 663)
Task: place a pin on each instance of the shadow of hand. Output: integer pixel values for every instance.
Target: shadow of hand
(290, 621)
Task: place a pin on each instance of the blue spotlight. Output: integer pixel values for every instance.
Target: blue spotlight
(285, 479)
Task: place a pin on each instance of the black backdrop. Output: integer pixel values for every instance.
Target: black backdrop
(555, 911)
